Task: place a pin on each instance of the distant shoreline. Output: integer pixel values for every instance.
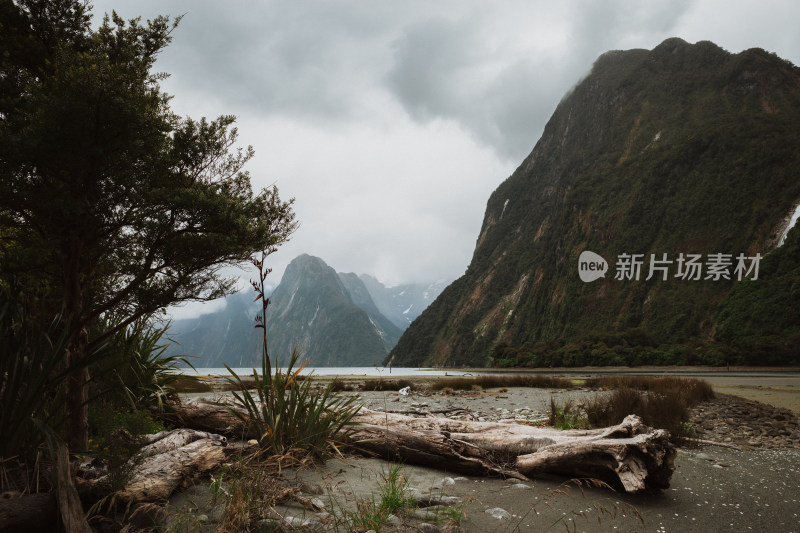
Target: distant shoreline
(359, 372)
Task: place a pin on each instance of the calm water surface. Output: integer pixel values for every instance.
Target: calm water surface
(342, 371)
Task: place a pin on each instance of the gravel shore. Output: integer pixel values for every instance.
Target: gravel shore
(749, 482)
(752, 487)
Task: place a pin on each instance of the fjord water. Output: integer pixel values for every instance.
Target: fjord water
(370, 371)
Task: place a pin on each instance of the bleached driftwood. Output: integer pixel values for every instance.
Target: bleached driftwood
(168, 461)
(629, 455)
(211, 415)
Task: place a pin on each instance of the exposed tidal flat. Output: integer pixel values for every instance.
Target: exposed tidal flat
(749, 482)
(777, 386)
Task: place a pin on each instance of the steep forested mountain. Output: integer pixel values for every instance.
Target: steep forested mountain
(663, 159)
(329, 317)
(226, 336)
(362, 299)
(313, 311)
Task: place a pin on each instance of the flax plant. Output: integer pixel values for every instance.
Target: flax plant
(286, 413)
(31, 377)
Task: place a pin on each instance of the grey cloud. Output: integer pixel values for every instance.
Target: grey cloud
(286, 58)
(442, 69)
(338, 96)
(427, 76)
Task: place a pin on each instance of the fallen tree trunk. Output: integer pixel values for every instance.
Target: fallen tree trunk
(629, 455)
(437, 450)
(169, 460)
(212, 416)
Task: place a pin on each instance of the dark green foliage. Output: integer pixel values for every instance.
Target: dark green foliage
(613, 350)
(115, 438)
(288, 414)
(134, 372)
(31, 375)
(760, 319)
(682, 149)
(108, 200)
(29, 379)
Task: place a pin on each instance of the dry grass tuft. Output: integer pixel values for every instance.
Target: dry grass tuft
(536, 381)
(662, 402)
(603, 508)
(694, 390)
(387, 384)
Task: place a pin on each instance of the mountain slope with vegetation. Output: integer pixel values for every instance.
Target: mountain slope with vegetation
(329, 317)
(685, 149)
(223, 337)
(362, 298)
(313, 310)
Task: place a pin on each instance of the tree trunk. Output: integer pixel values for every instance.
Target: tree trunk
(76, 390)
(77, 395)
(211, 416)
(69, 504)
(629, 455)
(32, 512)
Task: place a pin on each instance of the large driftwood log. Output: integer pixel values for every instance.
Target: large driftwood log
(629, 455)
(212, 416)
(167, 461)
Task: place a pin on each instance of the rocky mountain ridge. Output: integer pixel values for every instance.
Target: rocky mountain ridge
(331, 317)
(682, 150)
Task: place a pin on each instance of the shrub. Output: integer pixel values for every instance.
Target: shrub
(134, 370)
(662, 402)
(693, 390)
(566, 416)
(340, 385)
(290, 414)
(495, 381)
(31, 377)
(115, 437)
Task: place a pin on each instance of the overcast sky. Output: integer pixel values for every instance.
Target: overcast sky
(391, 121)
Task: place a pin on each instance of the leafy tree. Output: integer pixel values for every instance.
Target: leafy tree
(114, 204)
